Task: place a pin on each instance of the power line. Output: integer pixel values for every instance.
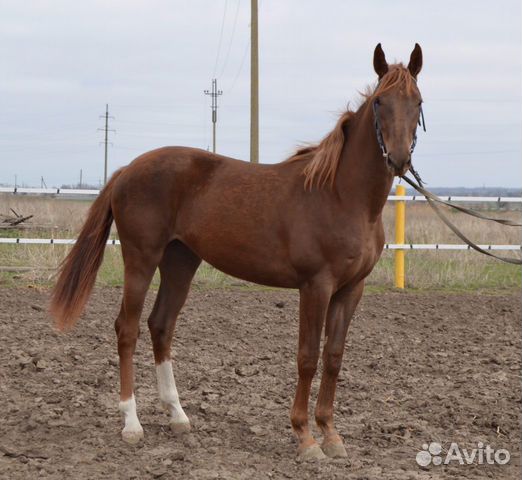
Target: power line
(220, 38)
(106, 140)
(231, 40)
(149, 135)
(214, 94)
(233, 84)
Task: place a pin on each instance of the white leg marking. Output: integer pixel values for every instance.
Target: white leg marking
(133, 431)
(168, 394)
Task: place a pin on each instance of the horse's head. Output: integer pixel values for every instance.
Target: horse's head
(396, 104)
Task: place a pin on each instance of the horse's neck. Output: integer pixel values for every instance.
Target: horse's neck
(363, 177)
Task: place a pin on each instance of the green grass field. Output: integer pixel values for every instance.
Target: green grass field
(447, 270)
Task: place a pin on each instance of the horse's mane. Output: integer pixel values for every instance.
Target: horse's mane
(323, 157)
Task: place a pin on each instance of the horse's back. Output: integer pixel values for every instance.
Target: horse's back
(234, 214)
(151, 189)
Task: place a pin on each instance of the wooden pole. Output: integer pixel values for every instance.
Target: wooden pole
(254, 85)
(106, 143)
(214, 94)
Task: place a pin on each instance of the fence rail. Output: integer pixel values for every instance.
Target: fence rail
(387, 246)
(452, 198)
(48, 191)
(391, 198)
(399, 248)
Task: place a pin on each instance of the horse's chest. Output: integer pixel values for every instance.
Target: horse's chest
(357, 256)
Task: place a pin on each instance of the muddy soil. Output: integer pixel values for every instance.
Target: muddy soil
(418, 368)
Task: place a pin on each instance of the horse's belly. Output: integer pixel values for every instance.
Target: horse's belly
(257, 274)
(256, 262)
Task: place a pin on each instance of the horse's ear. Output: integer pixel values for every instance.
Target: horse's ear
(379, 61)
(415, 64)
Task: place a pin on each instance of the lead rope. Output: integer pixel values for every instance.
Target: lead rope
(431, 199)
(427, 194)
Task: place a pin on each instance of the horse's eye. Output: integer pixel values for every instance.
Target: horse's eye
(420, 103)
(377, 101)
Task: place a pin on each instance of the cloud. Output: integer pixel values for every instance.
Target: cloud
(62, 61)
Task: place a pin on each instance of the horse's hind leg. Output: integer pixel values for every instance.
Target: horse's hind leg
(177, 268)
(139, 270)
(340, 312)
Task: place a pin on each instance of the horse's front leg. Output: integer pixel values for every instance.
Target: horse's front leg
(313, 305)
(340, 312)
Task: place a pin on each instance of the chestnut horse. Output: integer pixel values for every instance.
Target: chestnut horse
(312, 222)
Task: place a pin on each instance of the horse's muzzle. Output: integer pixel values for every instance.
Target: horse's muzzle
(398, 168)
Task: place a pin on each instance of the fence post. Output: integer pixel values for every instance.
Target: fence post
(400, 223)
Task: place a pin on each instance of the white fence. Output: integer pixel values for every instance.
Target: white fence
(391, 198)
(48, 191)
(388, 246)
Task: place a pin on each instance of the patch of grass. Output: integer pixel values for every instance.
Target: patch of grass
(445, 270)
(111, 272)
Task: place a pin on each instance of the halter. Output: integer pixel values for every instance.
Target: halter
(378, 130)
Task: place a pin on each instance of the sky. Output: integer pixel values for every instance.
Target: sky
(63, 61)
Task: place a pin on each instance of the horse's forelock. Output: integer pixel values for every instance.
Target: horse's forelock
(398, 76)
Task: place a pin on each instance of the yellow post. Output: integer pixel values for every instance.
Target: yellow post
(400, 222)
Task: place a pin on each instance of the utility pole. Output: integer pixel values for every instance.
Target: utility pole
(81, 174)
(214, 94)
(42, 182)
(106, 141)
(254, 85)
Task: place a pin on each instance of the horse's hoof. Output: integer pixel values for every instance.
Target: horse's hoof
(311, 453)
(178, 428)
(132, 437)
(334, 450)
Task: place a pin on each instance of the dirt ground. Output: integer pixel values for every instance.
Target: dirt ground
(419, 367)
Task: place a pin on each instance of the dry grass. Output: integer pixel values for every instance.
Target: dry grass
(440, 269)
(450, 269)
(423, 226)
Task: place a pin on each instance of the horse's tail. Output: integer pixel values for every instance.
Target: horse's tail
(78, 270)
